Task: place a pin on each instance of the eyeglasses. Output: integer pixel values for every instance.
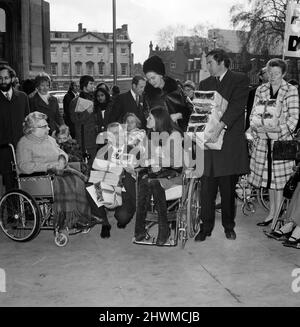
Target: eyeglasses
(44, 126)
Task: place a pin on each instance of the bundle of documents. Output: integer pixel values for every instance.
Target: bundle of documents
(209, 107)
(105, 171)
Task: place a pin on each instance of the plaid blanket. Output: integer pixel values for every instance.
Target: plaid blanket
(70, 200)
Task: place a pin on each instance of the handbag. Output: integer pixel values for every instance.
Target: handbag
(291, 184)
(286, 149)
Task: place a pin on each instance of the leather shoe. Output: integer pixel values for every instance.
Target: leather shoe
(201, 236)
(231, 235)
(265, 223)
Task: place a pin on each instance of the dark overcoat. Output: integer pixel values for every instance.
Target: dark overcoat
(12, 115)
(69, 96)
(233, 158)
(170, 96)
(85, 126)
(123, 104)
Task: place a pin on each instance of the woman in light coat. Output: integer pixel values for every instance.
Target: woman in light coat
(265, 172)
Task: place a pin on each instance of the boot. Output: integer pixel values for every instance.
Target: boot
(160, 202)
(141, 210)
(163, 234)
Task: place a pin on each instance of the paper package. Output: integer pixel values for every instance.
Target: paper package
(209, 107)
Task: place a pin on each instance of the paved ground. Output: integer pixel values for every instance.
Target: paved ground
(90, 271)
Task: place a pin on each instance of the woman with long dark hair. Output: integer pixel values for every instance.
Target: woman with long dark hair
(165, 145)
(102, 103)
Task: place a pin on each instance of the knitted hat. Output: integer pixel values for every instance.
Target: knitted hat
(154, 64)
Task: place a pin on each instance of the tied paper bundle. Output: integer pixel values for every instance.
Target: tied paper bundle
(209, 107)
(84, 105)
(106, 195)
(266, 113)
(105, 171)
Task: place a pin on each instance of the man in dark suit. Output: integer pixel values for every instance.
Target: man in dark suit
(14, 108)
(70, 95)
(222, 167)
(130, 101)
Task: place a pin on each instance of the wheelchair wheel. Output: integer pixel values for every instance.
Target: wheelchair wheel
(61, 239)
(193, 208)
(182, 234)
(263, 198)
(248, 207)
(20, 216)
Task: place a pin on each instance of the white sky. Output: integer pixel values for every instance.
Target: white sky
(144, 17)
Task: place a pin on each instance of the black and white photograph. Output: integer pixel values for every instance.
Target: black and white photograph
(149, 159)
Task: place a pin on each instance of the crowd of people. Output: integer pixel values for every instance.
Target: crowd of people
(47, 141)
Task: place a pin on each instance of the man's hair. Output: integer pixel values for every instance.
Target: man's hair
(11, 71)
(137, 78)
(220, 55)
(84, 81)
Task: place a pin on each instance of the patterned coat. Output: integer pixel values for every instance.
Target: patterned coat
(281, 169)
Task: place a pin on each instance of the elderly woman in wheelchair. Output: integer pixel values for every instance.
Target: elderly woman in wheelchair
(164, 145)
(39, 152)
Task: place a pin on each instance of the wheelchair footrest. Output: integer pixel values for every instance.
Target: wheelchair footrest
(152, 241)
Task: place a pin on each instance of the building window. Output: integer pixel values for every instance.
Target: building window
(89, 50)
(111, 69)
(65, 68)
(65, 50)
(78, 50)
(78, 68)
(53, 68)
(101, 68)
(100, 50)
(90, 68)
(123, 69)
(53, 50)
(173, 65)
(123, 51)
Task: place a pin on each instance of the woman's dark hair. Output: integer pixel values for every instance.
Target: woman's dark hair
(102, 90)
(163, 120)
(103, 85)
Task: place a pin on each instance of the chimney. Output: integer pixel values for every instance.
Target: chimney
(125, 27)
(84, 30)
(80, 27)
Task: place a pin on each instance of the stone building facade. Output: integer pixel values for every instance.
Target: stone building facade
(24, 36)
(74, 54)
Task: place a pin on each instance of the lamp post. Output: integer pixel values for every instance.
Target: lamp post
(115, 72)
(214, 40)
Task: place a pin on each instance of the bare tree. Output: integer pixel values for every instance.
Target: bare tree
(165, 36)
(264, 20)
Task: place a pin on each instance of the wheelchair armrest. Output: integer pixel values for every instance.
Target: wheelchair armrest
(36, 174)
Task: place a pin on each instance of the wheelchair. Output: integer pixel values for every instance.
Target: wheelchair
(27, 210)
(183, 211)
